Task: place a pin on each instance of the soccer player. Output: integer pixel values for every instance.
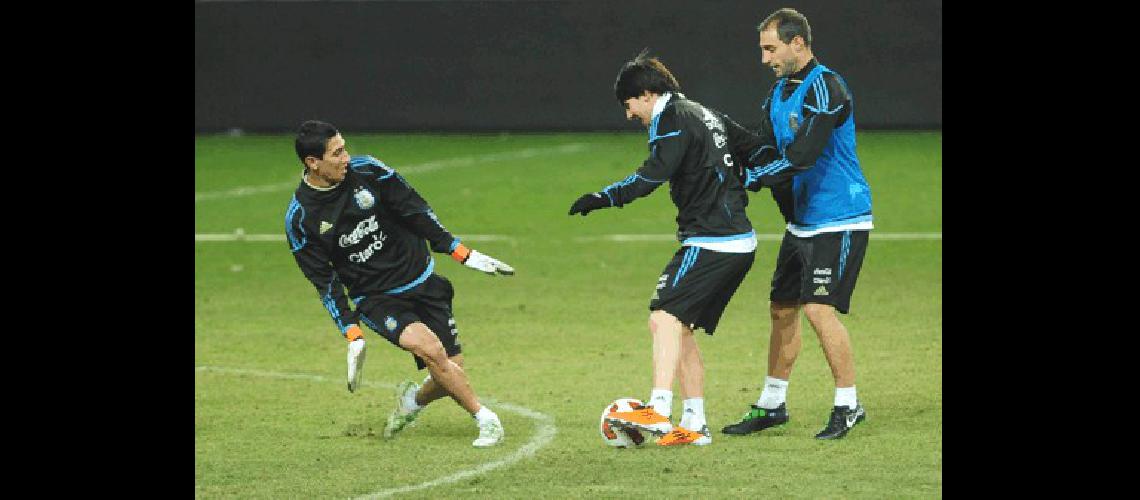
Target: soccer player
(808, 128)
(687, 148)
(355, 222)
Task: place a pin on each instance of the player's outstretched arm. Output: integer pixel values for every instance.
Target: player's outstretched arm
(480, 261)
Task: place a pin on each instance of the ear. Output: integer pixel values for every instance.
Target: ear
(311, 162)
(797, 43)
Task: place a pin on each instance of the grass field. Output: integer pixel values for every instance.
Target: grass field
(548, 348)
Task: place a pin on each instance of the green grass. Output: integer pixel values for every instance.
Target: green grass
(563, 337)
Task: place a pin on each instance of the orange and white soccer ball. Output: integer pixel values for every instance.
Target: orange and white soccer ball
(621, 437)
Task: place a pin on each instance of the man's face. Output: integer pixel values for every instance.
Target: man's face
(781, 57)
(332, 167)
(640, 108)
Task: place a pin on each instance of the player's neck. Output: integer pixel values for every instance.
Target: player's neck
(317, 182)
(799, 73)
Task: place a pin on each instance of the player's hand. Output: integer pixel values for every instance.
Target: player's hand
(588, 202)
(483, 262)
(355, 356)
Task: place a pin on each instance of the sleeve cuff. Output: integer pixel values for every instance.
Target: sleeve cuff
(460, 252)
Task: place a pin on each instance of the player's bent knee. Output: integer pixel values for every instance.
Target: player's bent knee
(432, 353)
(421, 341)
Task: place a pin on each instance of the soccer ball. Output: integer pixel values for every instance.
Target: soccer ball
(621, 437)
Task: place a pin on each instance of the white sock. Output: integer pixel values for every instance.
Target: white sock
(410, 400)
(662, 401)
(775, 393)
(693, 415)
(845, 396)
(484, 414)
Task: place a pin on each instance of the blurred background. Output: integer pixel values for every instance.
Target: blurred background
(537, 65)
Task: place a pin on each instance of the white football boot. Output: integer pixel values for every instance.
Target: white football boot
(402, 416)
(490, 433)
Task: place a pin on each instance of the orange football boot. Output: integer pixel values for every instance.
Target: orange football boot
(644, 418)
(680, 435)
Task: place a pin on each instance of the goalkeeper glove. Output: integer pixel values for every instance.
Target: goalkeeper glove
(480, 262)
(355, 357)
(587, 202)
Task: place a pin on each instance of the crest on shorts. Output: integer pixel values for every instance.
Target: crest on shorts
(390, 323)
(794, 121)
(363, 198)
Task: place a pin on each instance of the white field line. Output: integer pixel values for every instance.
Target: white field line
(625, 238)
(545, 434)
(240, 235)
(419, 168)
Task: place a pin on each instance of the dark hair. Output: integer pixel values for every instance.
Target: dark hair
(641, 74)
(789, 24)
(312, 138)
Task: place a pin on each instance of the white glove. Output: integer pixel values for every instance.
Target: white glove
(355, 363)
(487, 264)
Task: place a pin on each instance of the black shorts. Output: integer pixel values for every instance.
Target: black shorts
(697, 284)
(819, 269)
(429, 303)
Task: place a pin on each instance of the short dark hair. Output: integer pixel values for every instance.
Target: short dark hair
(789, 24)
(644, 73)
(312, 138)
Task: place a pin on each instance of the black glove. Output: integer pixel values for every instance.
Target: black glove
(588, 202)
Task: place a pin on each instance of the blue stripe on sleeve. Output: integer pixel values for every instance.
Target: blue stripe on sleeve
(625, 182)
(296, 241)
(359, 162)
(774, 167)
(330, 305)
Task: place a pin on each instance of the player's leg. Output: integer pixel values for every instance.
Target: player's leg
(666, 330)
(434, 305)
(665, 334)
(715, 276)
(691, 379)
(784, 341)
(691, 369)
(432, 390)
(835, 341)
(419, 340)
(836, 261)
(411, 398)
